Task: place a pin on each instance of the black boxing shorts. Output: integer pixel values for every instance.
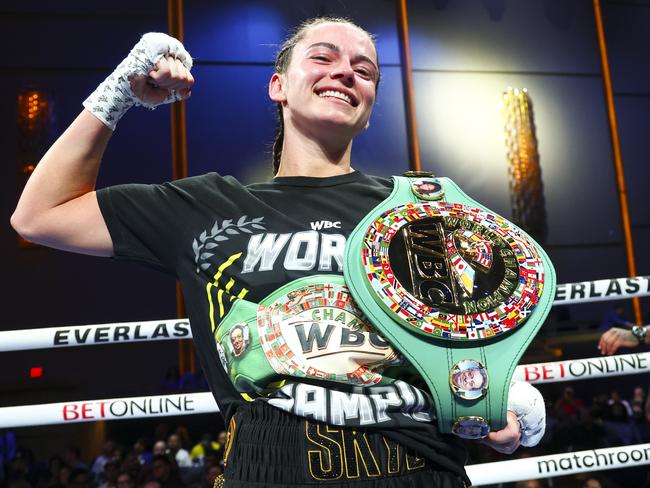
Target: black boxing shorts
(268, 447)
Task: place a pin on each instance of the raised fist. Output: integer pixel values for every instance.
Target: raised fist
(168, 75)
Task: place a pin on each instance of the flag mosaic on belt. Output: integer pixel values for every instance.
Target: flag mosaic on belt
(405, 307)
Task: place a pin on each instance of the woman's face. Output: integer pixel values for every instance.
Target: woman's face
(329, 86)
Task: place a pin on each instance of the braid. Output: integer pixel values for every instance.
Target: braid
(279, 140)
(282, 60)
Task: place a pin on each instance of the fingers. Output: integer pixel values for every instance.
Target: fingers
(615, 338)
(146, 91)
(506, 440)
(170, 74)
(603, 343)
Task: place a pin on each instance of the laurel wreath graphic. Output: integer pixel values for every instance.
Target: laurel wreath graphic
(206, 242)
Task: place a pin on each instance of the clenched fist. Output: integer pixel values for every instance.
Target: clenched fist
(168, 75)
(156, 71)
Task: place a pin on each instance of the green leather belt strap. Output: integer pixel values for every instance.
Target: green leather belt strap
(478, 331)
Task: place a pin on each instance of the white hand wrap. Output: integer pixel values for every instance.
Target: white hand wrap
(114, 96)
(527, 403)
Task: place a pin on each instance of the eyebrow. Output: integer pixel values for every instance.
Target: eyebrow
(337, 49)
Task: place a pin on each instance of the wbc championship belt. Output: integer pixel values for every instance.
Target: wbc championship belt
(457, 289)
(308, 329)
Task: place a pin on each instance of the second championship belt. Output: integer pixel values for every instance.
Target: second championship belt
(459, 290)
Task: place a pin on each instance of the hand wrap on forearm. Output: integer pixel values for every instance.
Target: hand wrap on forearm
(114, 96)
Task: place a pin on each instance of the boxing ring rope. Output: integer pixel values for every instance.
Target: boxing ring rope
(107, 409)
(199, 403)
(559, 464)
(86, 335)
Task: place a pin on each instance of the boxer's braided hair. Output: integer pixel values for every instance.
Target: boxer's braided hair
(282, 61)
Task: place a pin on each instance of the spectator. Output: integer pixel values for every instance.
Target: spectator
(108, 453)
(165, 473)
(197, 454)
(568, 407)
(176, 450)
(638, 405)
(131, 465)
(620, 430)
(72, 458)
(80, 478)
(110, 474)
(142, 450)
(184, 436)
(125, 480)
(54, 465)
(615, 397)
(529, 484)
(222, 439)
(160, 447)
(63, 479)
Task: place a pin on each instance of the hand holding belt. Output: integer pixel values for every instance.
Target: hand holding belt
(457, 289)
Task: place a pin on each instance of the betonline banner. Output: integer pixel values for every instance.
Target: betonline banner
(559, 464)
(110, 409)
(582, 369)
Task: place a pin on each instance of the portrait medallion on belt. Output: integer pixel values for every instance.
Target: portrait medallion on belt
(451, 271)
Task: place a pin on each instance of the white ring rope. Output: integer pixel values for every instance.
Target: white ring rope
(559, 464)
(157, 330)
(107, 409)
(197, 403)
(584, 369)
(90, 335)
(602, 290)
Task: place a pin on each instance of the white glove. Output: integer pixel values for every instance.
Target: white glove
(526, 402)
(114, 96)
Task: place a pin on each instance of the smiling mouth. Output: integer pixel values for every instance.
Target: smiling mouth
(339, 95)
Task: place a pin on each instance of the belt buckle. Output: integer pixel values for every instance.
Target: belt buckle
(470, 427)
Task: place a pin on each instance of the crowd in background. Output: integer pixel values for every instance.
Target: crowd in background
(573, 424)
(176, 462)
(607, 419)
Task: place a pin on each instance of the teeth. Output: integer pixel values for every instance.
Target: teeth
(336, 94)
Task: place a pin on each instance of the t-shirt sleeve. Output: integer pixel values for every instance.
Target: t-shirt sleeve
(143, 223)
(151, 223)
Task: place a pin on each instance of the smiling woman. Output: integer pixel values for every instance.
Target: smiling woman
(345, 67)
(311, 391)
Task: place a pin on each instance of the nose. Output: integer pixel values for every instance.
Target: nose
(343, 71)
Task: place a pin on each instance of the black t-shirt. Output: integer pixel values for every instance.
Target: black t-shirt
(225, 241)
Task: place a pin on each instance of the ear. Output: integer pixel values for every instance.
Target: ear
(367, 125)
(276, 88)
